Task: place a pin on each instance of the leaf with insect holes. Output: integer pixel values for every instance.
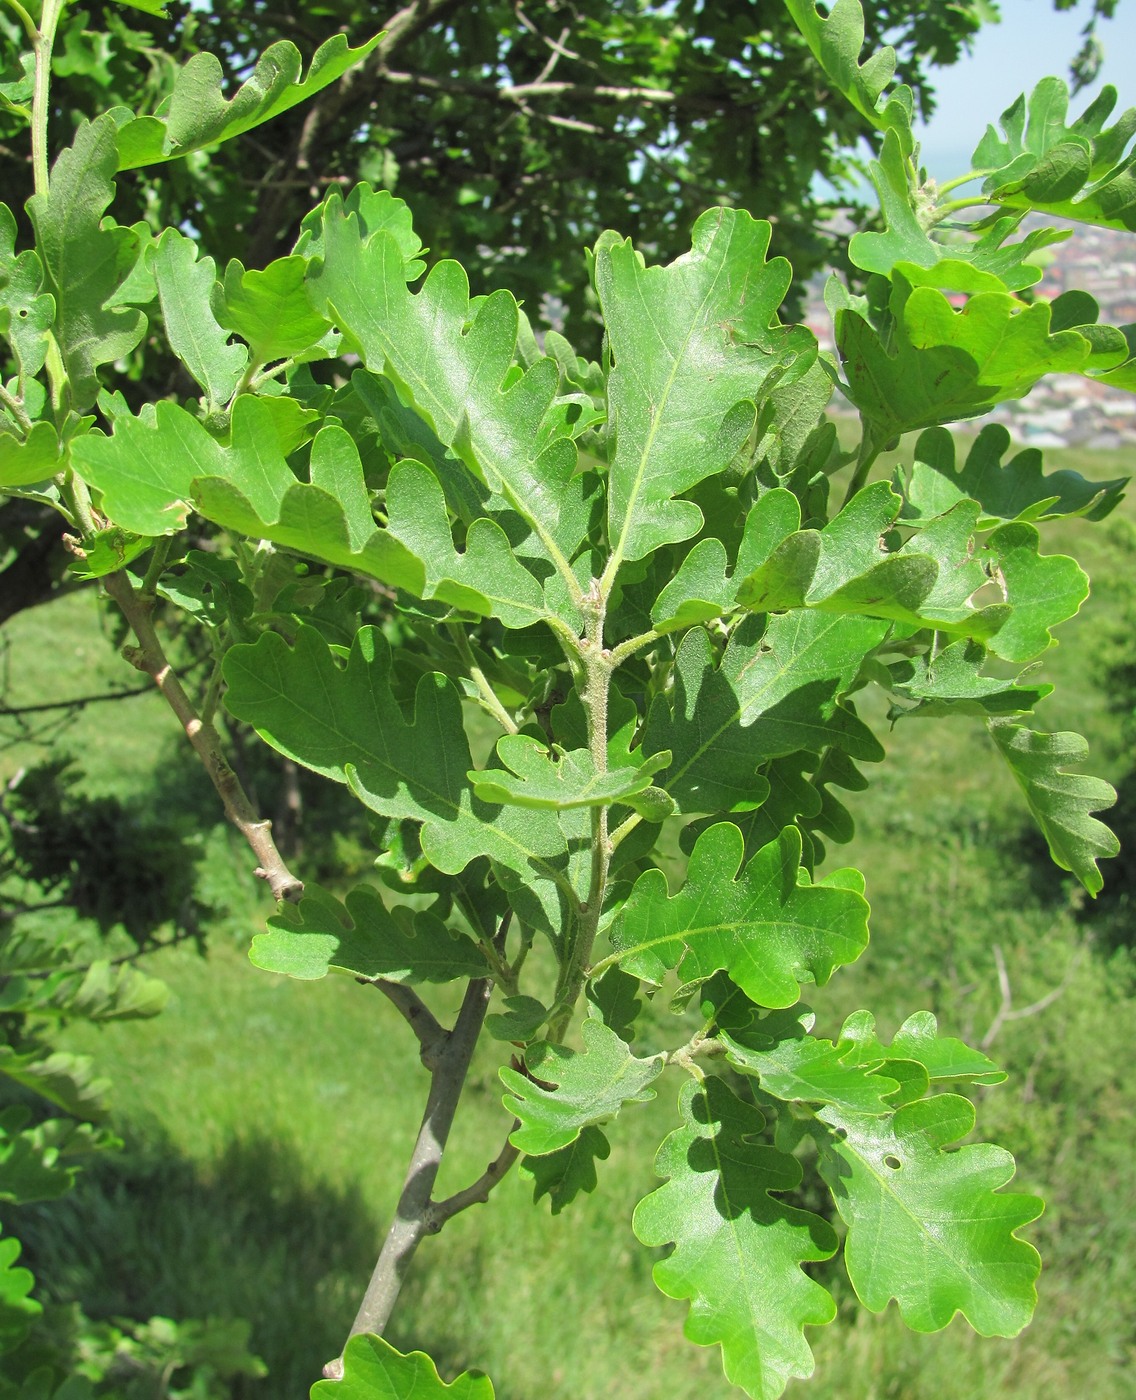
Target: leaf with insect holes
(454, 365)
(739, 1248)
(374, 1370)
(344, 722)
(196, 113)
(696, 346)
(927, 1222)
(1081, 171)
(185, 287)
(1006, 491)
(1042, 590)
(270, 309)
(790, 1063)
(570, 780)
(564, 1091)
(361, 936)
(569, 1171)
(27, 312)
(938, 364)
(1062, 803)
(775, 691)
(85, 264)
(762, 922)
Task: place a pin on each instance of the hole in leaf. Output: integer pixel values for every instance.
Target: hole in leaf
(893, 1162)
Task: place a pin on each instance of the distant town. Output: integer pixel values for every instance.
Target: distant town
(1065, 410)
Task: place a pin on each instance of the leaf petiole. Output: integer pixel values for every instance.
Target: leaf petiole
(489, 699)
(24, 18)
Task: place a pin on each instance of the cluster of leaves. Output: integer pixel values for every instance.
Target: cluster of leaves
(639, 572)
(634, 120)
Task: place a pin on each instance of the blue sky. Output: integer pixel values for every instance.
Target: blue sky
(1008, 58)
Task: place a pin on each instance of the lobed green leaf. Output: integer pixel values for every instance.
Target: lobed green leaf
(197, 113)
(696, 346)
(836, 41)
(185, 288)
(738, 1248)
(776, 691)
(345, 722)
(1006, 491)
(365, 939)
(374, 1370)
(454, 365)
(1062, 803)
(763, 923)
(1081, 171)
(564, 1091)
(938, 365)
(791, 1064)
(927, 1224)
(85, 264)
(569, 1171)
(539, 779)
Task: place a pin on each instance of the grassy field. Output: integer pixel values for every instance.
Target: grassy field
(267, 1121)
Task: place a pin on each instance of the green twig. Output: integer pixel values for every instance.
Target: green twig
(959, 180)
(489, 698)
(625, 828)
(944, 211)
(25, 19)
(159, 558)
(43, 42)
(81, 508)
(212, 696)
(16, 408)
(627, 649)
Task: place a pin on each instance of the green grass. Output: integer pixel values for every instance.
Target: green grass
(268, 1121)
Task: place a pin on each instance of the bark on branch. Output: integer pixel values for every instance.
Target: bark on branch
(478, 1192)
(416, 1214)
(149, 657)
(432, 1036)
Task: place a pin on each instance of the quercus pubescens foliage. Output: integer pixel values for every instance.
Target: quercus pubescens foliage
(659, 583)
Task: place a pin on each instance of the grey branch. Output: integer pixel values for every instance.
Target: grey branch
(477, 1193)
(412, 1222)
(149, 657)
(432, 1035)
